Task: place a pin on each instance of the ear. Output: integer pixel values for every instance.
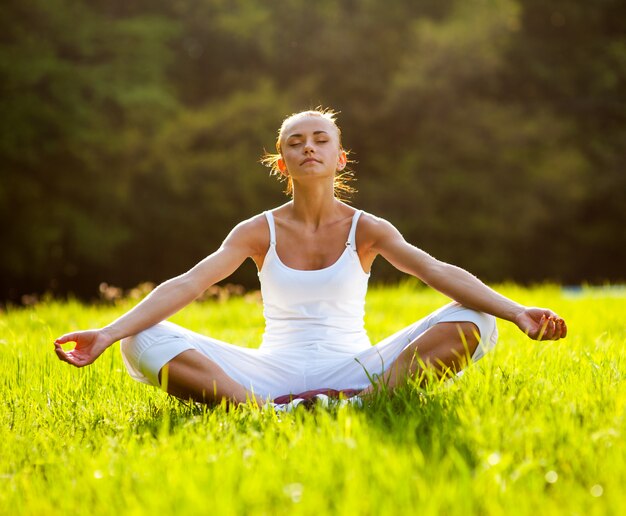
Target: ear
(342, 161)
(282, 167)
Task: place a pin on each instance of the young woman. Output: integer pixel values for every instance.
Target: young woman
(314, 255)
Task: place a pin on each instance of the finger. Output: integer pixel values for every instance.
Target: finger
(68, 356)
(68, 337)
(561, 330)
(546, 329)
(76, 361)
(61, 354)
(551, 329)
(557, 329)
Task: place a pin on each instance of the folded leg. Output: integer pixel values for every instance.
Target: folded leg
(190, 365)
(442, 347)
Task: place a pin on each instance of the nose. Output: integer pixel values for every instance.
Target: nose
(308, 146)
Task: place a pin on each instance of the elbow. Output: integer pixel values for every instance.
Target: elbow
(183, 286)
(191, 287)
(437, 273)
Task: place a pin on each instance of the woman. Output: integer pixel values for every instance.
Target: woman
(313, 254)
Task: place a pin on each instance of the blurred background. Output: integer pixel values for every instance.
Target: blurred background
(492, 133)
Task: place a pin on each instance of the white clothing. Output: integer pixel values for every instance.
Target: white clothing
(321, 308)
(314, 334)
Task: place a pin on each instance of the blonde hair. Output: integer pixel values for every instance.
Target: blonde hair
(343, 190)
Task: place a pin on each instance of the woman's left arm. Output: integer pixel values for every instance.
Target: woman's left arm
(460, 285)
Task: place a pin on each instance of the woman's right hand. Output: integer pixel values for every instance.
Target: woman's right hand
(90, 344)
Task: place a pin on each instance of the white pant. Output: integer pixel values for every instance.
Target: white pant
(275, 372)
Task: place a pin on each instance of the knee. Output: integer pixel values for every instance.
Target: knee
(146, 352)
(490, 336)
(131, 350)
(133, 347)
(488, 330)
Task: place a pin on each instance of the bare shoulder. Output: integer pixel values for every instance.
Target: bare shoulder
(372, 223)
(252, 233)
(384, 239)
(372, 231)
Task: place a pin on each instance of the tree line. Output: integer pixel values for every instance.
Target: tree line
(490, 132)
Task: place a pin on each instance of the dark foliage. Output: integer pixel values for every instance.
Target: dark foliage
(491, 133)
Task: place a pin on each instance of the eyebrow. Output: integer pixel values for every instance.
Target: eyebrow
(298, 135)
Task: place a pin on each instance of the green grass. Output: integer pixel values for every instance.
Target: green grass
(533, 428)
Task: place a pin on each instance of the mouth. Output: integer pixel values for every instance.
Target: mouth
(310, 160)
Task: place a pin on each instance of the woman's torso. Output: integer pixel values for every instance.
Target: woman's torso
(318, 310)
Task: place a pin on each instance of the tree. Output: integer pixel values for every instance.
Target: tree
(79, 91)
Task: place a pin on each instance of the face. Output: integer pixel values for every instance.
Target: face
(310, 147)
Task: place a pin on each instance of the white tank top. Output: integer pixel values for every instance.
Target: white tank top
(319, 309)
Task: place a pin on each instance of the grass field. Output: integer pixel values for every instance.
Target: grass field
(533, 428)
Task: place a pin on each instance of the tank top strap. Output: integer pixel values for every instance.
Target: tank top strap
(352, 236)
(270, 222)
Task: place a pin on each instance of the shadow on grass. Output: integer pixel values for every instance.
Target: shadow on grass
(424, 417)
(409, 417)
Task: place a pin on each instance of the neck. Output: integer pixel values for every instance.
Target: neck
(314, 203)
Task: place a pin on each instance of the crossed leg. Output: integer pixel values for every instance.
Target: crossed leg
(443, 348)
(191, 375)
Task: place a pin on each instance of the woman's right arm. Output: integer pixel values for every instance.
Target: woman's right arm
(168, 298)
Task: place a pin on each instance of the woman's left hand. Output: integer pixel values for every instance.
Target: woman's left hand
(541, 324)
